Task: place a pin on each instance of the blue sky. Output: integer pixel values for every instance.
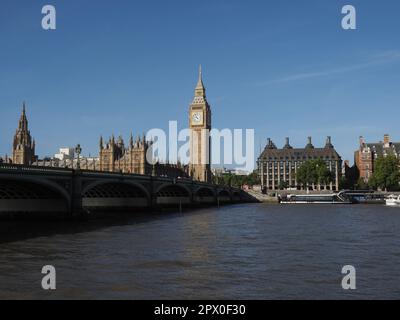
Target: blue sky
(284, 68)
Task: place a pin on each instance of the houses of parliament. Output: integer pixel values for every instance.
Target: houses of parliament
(117, 156)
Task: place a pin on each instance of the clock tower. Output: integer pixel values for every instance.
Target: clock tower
(200, 141)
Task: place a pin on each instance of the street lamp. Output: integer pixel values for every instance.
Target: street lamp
(78, 151)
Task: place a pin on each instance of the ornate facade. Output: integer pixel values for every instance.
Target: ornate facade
(23, 144)
(114, 156)
(200, 126)
(365, 156)
(279, 166)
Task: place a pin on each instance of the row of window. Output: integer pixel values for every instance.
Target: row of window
(328, 158)
(271, 163)
(281, 178)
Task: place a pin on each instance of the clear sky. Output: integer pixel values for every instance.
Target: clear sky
(284, 68)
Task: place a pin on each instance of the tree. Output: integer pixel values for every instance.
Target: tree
(386, 173)
(304, 174)
(314, 172)
(283, 185)
(234, 180)
(362, 185)
(253, 179)
(323, 174)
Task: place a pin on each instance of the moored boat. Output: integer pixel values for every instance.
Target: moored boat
(332, 198)
(393, 201)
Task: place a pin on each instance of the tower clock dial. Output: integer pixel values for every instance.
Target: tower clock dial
(197, 118)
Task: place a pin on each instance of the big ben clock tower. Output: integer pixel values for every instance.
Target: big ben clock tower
(200, 141)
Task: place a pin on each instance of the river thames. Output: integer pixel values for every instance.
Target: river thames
(251, 251)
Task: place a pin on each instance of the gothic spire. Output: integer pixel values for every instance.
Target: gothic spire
(200, 90)
(131, 141)
(23, 121)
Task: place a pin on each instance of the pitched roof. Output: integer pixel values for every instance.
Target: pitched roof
(379, 147)
(272, 152)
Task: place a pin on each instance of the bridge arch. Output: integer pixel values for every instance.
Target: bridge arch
(205, 195)
(224, 193)
(236, 196)
(224, 196)
(178, 189)
(115, 194)
(173, 194)
(27, 194)
(52, 186)
(205, 192)
(95, 187)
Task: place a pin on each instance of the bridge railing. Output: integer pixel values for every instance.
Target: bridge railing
(6, 167)
(17, 167)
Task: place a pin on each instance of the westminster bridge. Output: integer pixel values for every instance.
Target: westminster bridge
(31, 189)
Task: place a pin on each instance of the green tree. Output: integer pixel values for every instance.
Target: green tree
(386, 173)
(234, 180)
(283, 185)
(323, 174)
(304, 174)
(252, 179)
(313, 172)
(362, 185)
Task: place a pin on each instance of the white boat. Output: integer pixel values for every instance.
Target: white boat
(333, 198)
(393, 201)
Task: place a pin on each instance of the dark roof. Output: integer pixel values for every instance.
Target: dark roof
(300, 153)
(379, 148)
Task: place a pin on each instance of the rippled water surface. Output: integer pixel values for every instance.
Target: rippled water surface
(254, 251)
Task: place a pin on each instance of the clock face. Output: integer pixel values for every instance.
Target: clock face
(197, 118)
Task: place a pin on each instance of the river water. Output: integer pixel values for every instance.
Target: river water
(249, 251)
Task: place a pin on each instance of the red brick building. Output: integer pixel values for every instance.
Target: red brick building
(367, 153)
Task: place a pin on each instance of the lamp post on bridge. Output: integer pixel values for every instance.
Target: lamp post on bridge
(78, 151)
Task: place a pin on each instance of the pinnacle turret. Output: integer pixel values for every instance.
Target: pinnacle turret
(200, 90)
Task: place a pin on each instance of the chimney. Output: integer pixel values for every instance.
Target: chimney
(328, 142)
(362, 141)
(287, 144)
(386, 140)
(309, 144)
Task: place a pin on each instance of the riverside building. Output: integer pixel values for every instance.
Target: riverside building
(277, 168)
(368, 152)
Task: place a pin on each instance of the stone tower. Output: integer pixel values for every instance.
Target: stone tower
(110, 153)
(200, 142)
(23, 144)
